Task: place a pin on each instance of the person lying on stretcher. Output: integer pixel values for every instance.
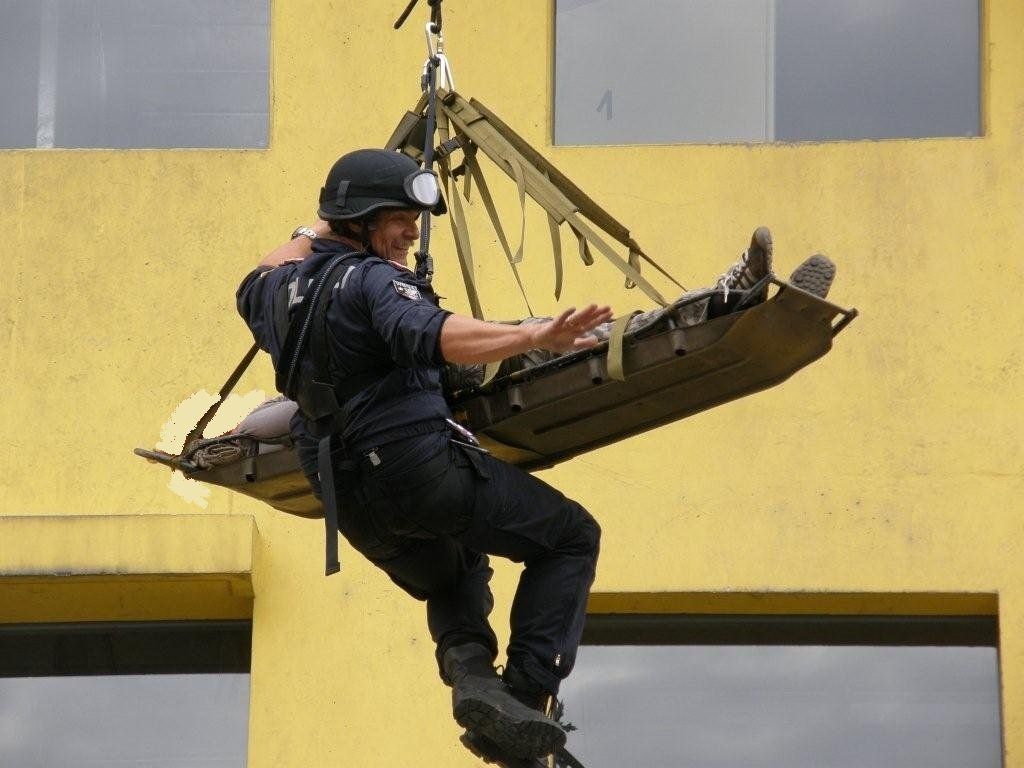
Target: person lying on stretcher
(729, 293)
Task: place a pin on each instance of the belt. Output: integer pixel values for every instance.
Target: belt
(350, 465)
(366, 444)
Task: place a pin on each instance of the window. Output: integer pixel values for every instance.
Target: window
(159, 694)
(663, 71)
(134, 73)
(796, 691)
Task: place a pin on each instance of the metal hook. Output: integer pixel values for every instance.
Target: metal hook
(435, 40)
(435, 53)
(447, 80)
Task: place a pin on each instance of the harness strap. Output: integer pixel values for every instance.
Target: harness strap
(474, 172)
(197, 430)
(320, 354)
(298, 332)
(520, 177)
(407, 134)
(640, 254)
(616, 369)
(581, 227)
(518, 159)
(585, 255)
(490, 371)
(556, 253)
(634, 262)
(320, 401)
(458, 223)
(329, 497)
(583, 202)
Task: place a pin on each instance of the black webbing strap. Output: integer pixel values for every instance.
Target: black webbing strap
(197, 430)
(298, 331)
(321, 358)
(330, 502)
(329, 497)
(318, 398)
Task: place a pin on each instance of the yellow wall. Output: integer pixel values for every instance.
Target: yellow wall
(894, 465)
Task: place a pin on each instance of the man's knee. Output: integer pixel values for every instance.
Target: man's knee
(585, 534)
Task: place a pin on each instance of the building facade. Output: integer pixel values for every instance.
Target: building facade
(871, 501)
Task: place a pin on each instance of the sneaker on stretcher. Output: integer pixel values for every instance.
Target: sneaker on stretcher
(815, 275)
(752, 267)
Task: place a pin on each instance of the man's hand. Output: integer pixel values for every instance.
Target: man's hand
(297, 249)
(569, 331)
(467, 341)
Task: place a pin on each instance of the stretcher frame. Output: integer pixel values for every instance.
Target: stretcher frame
(538, 417)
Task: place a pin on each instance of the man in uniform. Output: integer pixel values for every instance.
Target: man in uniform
(406, 486)
(415, 496)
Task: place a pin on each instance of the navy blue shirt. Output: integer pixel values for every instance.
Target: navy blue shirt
(383, 333)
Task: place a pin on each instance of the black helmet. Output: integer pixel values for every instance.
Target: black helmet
(367, 180)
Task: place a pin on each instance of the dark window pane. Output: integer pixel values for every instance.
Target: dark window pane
(72, 694)
(156, 721)
(99, 648)
(140, 73)
(658, 71)
(19, 72)
(876, 69)
(798, 706)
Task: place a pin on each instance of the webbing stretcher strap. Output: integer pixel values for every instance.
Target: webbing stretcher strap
(556, 252)
(459, 230)
(511, 161)
(517, 173)
(586, 205)
(474, 172)
(197, 430)
(616, 369)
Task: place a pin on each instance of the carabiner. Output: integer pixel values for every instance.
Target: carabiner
(435, 53)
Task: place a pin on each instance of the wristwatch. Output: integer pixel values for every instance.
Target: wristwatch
(304, 232)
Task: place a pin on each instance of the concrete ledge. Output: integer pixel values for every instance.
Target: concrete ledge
(126, 568)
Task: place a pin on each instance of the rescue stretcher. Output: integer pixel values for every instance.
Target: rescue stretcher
(537, 417)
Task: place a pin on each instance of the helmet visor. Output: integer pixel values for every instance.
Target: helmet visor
(422, 188)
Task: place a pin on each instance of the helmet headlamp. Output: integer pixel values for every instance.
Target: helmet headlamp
(423, 188)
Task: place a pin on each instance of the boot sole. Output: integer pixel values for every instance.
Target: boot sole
(814, 276)
(489, 752)
(528, 737)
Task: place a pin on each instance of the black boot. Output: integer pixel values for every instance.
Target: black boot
(492, 754)
(482, 703)
(530, 693)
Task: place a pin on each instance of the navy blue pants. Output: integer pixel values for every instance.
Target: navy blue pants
(431, 512)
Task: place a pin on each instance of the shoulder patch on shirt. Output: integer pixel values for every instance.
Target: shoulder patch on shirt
(404, 289)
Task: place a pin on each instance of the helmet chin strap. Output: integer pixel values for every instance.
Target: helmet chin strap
(368, 225)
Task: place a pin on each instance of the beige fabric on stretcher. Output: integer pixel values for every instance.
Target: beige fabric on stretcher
(264, 430)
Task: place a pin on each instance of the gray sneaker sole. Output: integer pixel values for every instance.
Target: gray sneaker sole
(815, 275)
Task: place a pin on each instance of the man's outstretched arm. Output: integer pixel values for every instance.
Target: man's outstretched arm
(467, 340)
